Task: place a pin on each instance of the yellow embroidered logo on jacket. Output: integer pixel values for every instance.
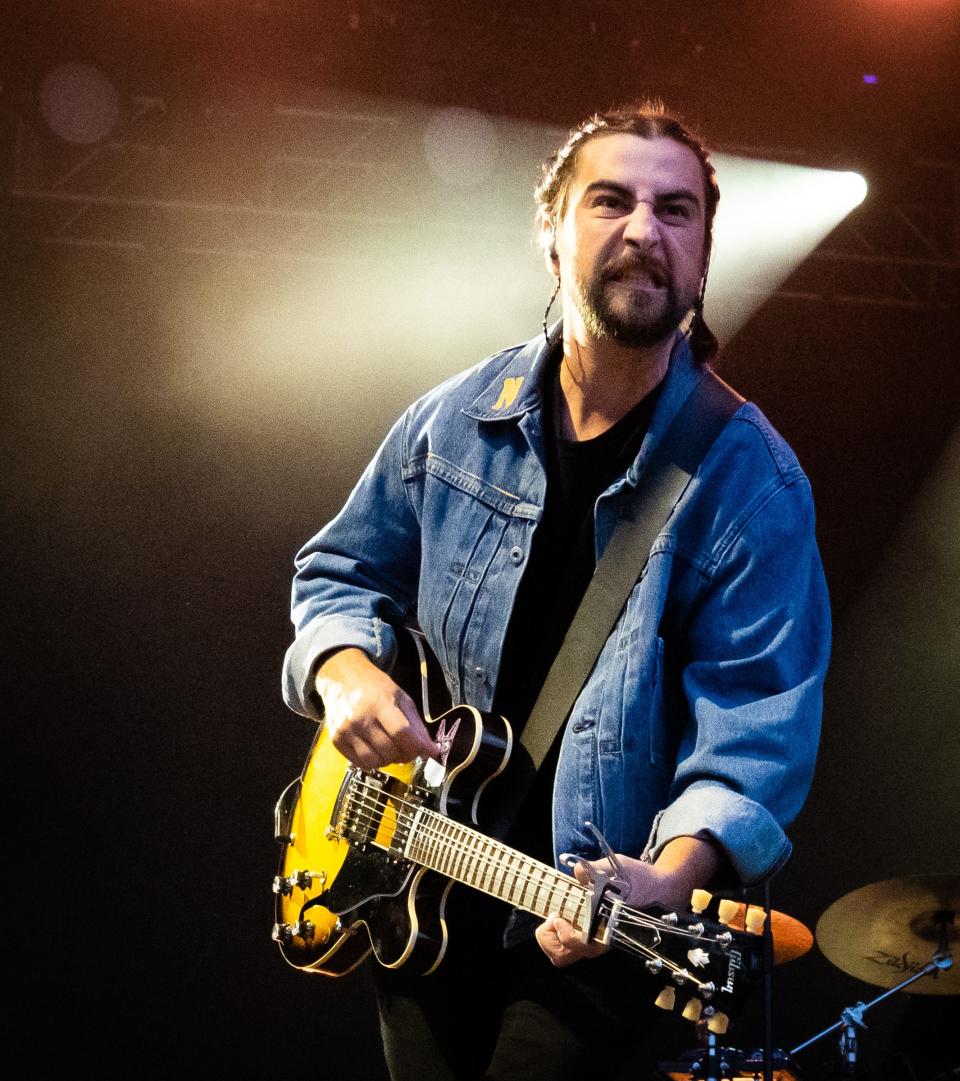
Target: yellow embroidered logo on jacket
(511, 387)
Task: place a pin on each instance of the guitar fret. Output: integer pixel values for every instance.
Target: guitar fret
(461, 841)
(575, 899)
(577, 911)
(443, 832)
(544, 875)
(452, 850)
(529, 880)
(462, 853)
(476, 877)
(500, 877)
(478, 862)
(511, 875)
(467, 863)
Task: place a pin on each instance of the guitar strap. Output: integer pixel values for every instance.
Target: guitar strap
(691, 433)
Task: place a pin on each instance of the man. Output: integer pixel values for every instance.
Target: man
(483, 514)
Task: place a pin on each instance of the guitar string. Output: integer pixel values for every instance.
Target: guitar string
(459, 847)
(375, 799)
(620, 938)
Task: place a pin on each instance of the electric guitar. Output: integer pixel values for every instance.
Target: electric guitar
(369, 856)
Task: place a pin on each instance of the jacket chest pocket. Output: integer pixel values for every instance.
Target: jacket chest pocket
(634, 723)
(468, 562)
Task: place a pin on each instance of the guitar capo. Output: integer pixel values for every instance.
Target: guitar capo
(600, 881)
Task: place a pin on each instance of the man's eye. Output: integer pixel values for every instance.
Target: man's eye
(608, 201)
(676, 210)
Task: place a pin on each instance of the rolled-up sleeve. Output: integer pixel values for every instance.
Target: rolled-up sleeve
(357, 578)
(759, 644)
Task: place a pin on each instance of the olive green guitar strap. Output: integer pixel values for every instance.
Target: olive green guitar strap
(691, 433)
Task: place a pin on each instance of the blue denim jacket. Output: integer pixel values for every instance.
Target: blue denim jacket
(702, 714)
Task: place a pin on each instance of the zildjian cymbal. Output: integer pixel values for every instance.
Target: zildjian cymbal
(887, 931)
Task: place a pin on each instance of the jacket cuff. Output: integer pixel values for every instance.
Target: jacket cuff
(750, 836)
(375, 637)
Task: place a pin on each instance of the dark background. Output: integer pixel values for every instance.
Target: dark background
(156, 487)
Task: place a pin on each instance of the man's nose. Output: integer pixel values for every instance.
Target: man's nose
(641, 226)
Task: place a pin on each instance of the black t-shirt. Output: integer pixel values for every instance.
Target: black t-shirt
(561, 562)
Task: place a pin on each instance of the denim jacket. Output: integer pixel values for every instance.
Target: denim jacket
(702, 714)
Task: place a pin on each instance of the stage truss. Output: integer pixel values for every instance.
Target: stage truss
(250, 181)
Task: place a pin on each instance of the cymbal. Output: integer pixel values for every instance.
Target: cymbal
(791, 939)
(887, 931)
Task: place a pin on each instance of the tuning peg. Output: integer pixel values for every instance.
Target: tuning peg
(699, 900)
(727, 911)
(754, 920)
(693, 1009)
(697, 957)
(718, 1023)
(667, 998)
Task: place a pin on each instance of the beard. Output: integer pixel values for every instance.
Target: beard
(633, 317)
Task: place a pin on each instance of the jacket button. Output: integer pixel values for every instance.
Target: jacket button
(516, 554)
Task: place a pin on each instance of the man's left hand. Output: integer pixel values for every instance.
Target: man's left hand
(684, 864)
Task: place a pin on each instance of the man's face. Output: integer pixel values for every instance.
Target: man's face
(630, 247)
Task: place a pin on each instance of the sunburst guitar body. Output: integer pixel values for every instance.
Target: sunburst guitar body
(368, 857)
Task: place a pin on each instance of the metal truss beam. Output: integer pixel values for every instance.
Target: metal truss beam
(192, 182)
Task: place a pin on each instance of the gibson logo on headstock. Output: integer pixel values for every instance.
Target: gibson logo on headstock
(901, 963)
(734, 966)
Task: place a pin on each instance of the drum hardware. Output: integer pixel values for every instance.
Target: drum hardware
(875, 933)
(716, 1063)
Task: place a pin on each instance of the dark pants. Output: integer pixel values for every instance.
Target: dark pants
(496, 1013)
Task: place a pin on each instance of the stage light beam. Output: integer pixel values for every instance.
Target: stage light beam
(772, 215)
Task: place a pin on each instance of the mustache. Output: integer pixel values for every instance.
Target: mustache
(630, 265)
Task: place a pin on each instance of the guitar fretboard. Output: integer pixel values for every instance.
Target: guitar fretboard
(463, 854)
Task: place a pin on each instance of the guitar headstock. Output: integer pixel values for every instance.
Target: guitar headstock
(709, 956)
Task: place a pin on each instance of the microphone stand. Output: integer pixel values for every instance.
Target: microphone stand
(767, 985)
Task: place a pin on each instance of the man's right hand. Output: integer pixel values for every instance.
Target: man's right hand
(371, 721)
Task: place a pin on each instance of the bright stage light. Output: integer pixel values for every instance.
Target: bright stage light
(431, 264)
(771, 217)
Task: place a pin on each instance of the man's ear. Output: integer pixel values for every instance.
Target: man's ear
(548, 242)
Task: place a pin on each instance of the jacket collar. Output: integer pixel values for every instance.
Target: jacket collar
(515, 390)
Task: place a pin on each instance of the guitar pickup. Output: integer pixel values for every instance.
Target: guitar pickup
(374, 808)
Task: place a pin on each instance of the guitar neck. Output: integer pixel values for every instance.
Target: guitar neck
(470, 857)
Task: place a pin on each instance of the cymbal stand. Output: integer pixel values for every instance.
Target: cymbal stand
(851, 1018)
(711, 1065)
